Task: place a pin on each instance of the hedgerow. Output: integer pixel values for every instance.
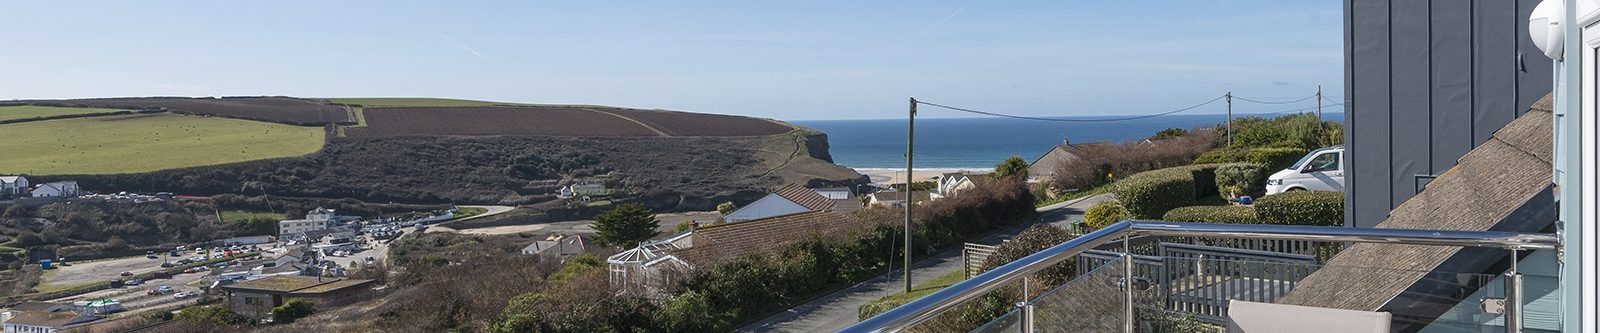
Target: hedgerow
(1276, 158)
(1242, 179)
(1302, 208)
(1103, 214)
(1213, 214)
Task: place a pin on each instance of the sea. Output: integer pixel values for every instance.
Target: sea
(980, 143)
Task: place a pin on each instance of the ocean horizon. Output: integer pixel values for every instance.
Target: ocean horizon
(980, 143)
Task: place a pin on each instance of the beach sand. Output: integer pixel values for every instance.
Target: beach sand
(884, 176)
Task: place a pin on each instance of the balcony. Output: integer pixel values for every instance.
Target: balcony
(1145, 276)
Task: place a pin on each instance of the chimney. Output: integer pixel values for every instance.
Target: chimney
(1064, 140)
(693, 225)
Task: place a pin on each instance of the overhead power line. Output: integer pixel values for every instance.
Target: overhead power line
(1068, 120)
(1274, 102)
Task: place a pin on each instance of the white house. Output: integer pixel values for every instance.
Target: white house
(63, 189)
(579, 190)
(13, 185)
(317, 219)
(836, 193)
(783, 201)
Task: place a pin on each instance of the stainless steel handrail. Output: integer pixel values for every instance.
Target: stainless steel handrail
(927, 307)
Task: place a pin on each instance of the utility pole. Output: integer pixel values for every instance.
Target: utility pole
(1230, 117)
(911, 128)
(1320, 131)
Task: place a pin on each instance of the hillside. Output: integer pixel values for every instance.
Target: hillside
(444, 151)
(146, 142)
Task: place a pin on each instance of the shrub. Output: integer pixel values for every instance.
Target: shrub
(1276, 158)
(1302, 208)
(1152, 193)
(1223, 155)
(1213, 214)
(292, 310)
(1013, 166)
(727, 208)
(1242, 179)
(1103, 214)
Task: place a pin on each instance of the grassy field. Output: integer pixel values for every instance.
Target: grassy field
(29, 111)
(142, 143)
(385, 101)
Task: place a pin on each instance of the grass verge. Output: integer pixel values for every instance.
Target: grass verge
(921, 289)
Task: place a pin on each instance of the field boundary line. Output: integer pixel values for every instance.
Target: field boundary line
(651, 128)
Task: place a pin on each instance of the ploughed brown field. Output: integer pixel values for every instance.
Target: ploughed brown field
(554, 121)
(286, 110)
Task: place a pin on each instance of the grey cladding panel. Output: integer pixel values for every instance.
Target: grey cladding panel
(1410, 80)
(1494, 61)
(1451, 114)
(1368, 116)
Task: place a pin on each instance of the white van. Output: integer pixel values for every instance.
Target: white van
(1320, 170)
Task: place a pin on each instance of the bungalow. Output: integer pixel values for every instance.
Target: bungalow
(582, 190)
(559, 246)
(896, 199)
(61, 189)
(256, 298)
(13, 185)
(789, 199)
(42, 317)
(1044, 167)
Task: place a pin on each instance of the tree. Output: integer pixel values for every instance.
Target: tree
(1169, 133)
(1014, 166)
(727, 208)
(292, 310)
(625, 226)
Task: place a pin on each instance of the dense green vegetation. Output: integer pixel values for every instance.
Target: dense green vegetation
(1103, 214)
(1013, 166)
(42, 112)
(141, 143)
(897, 299)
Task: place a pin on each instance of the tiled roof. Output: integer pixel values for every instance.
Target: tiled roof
(805, 197)
(297, 284)
(1487, 190)
(56, 319)
(721, 242)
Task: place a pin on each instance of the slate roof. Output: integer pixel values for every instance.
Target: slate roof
(1489, 188)
(804, 197)
(725, 241)
(565, 246)
(1046, 163)
(57, 319)
(295, 284)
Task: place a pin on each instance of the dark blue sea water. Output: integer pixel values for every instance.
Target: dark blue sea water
(978, 143)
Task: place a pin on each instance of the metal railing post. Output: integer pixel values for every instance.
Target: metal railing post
(1513, 310)
(1127, 285)
(1027, 316)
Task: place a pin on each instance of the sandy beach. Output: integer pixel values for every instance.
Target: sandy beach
(887, 176)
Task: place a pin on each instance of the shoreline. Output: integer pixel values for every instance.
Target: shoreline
(897, 176)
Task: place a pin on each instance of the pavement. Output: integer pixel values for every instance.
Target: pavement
(838, 310)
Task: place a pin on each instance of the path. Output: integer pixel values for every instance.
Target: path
(839, 310)
(492, 210)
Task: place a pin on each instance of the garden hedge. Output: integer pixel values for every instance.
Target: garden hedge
(1213, 214)
(1150, 194)
(1103, 214)
(1242, 179)
(1276, 158)
(1302, 208)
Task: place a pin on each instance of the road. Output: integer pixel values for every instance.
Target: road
(492, 211)
(839, 310)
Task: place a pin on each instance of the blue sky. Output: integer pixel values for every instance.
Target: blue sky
(790, 60)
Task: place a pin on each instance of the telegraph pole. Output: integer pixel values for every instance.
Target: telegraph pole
(1320, 130)
(911, 128)
(1230, 117)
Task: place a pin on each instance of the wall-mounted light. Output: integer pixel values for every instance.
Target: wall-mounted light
(1544, 27)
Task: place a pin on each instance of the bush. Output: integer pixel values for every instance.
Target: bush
(291, 310)
(1276, 158)
(1152, 193)
(1103, 214)
(1302, 208)
(1223, 155)
(1213, 214)
(1241, 179)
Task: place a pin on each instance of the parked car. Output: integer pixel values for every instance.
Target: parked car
(167, 264)
(127, 273)
(133, 282)
(1319, 170)
(186, 294)
(165, 289)
(150, 254)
